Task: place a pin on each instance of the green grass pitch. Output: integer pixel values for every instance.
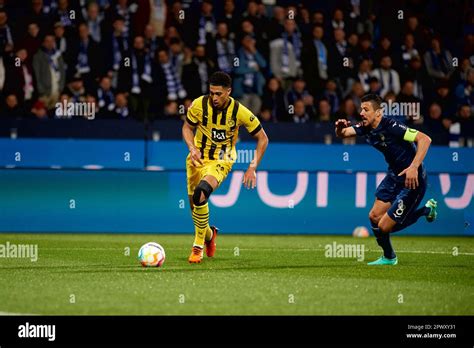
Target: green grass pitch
(90, 274)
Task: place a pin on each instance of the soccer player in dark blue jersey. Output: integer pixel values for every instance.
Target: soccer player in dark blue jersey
(403, 188)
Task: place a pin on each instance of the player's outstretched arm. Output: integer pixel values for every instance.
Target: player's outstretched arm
(188, 136)
(423, 143)
(250, 177)
(344, 129)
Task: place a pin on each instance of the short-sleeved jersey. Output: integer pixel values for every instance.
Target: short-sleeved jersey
(217, 130)
(394, 140)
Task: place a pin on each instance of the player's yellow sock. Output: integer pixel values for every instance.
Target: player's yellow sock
(201, 223)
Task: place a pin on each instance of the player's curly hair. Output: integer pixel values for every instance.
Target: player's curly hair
(374, 99)
(220, 78)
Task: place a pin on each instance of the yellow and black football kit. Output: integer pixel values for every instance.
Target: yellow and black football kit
(216, 135)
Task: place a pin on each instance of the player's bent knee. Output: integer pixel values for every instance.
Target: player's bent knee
(374, 217)
(385, 228)
(202, 192)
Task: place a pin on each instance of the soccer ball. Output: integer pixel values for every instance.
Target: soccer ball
(360, 232)
(151, 255)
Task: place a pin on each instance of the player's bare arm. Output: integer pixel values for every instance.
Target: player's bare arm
(188, 136)
(411, 173)
(250, 177)
(344, 129)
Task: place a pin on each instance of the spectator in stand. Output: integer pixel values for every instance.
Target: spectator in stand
(66, 47)
(438, 62)
(105, 97)
(385, 49)
(366, 51)
(315, 61)
(121, 110)
(339, 70)
(332, 94)
(6, 34)
(206, 24)
(418, 75)
(168, 79)
(436, 126)
(50, 72)
(273, 104)
(118, 47)
(466, 120)
(12, 108)
(285, 54)
(324, 111)
(300, 115)
(39, 110)
(231, 18)
(224, 49)
(464, 91)
(348, 111)
(445, 99)
(88, 57)
(176, 56)
(374, 86)
(94, 18)
(152, 41)
(357, 92)
(259, 22)
(364, 73)
(38, 14)
(298, 91)
(205, 67)
(32, 41)
(276, 24)
(19, 78)
(75, 90)
(249, 81)
(388, 78)
(408, 50)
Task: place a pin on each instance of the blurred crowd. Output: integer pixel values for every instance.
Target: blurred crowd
(291, 61)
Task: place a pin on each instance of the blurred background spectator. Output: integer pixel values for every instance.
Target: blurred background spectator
(291, 61)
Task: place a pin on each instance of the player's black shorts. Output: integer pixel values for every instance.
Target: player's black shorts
(404, 201)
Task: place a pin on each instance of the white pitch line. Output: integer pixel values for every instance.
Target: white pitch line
(12, 313)
(289, 249)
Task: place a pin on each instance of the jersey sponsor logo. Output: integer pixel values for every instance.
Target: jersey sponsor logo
(218, 134)
(400, 209)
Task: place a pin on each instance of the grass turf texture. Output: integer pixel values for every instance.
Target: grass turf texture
(267, 274)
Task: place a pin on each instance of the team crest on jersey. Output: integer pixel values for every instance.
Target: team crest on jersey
(231, 123)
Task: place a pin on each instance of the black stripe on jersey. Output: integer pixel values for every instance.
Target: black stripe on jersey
(191, 122)
(256, 130)
(212, 150)
(203, 145)
(234, 114)
(205, 110)
(222, 154)
(215, 113)
(224, 115)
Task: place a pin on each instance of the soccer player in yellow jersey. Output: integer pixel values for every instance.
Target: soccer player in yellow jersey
(216, 118)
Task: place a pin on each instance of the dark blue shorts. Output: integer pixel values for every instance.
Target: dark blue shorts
(404, 201)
